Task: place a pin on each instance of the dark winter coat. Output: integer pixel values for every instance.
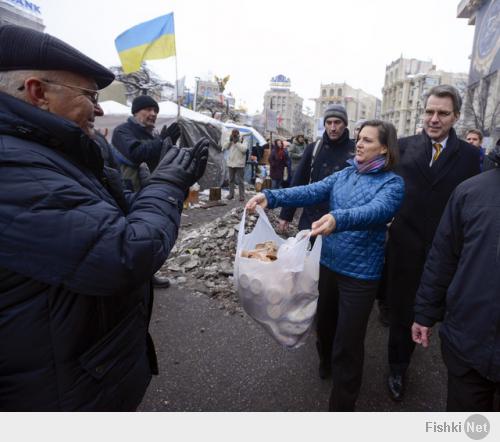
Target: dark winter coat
(427, 190)
(76, 259)
(135, 146)
(331, 157)
(277, 165)
(461, 282)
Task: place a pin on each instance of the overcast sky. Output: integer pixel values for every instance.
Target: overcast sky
(312, 42)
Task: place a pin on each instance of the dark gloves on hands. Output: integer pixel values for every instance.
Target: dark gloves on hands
(182, 167)
(173, 132)
(201, 149)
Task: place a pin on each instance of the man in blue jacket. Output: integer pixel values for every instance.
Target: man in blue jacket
(461, 287)
(76, 252)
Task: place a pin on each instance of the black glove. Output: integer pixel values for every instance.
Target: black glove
(173, 132)
(200, 150)
(182, 167)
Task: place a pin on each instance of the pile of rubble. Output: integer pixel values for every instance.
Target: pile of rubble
(202, 259)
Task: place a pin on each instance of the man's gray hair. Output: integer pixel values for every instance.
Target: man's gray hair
(446, 90)
(11, 81)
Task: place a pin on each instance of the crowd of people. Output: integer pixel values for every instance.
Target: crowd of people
(86, 224)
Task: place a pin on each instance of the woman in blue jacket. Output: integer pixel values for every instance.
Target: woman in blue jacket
(363, 199)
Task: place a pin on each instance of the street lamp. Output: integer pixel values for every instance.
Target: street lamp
(195, 101)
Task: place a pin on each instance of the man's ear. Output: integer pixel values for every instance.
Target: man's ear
(36, 93)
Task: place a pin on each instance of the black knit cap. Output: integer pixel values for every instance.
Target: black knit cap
(142, 102)
(26, 49)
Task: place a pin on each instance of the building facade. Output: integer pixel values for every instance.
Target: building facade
(482, 103)
(358, 103)
(22, 13)
(287, 104)
(407, 83)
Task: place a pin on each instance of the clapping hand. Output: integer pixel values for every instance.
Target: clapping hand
(173, 132)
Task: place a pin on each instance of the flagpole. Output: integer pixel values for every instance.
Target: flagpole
(177, 99)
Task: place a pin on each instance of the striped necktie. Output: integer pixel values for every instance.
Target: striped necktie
(438, 147)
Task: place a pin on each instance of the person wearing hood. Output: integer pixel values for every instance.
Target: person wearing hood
(361, 199)
(321, 159)
(460, 287)
(296, 151)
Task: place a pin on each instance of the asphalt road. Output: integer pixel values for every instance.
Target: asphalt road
(213, 361)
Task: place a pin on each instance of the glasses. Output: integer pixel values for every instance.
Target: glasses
(440, 114)
(91, 94)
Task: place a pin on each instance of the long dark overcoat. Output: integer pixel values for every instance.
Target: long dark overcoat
(427, 190)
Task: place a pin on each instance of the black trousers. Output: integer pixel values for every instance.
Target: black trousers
(468, 390)
(400, 348)
(344, 307)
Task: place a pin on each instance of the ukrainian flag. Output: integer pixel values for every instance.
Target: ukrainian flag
(151, 40)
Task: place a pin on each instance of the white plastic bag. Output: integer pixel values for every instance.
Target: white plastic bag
(280, 295)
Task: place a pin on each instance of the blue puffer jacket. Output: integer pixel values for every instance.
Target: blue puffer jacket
(76, 258)
(362, 205)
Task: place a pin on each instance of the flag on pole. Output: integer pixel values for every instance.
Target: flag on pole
(151, 40)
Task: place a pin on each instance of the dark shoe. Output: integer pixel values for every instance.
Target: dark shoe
(160, 282)
(242, 198)
(396, 385)
(230, 197)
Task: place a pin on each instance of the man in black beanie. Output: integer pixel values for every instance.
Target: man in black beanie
(76, 252)
(140, 148)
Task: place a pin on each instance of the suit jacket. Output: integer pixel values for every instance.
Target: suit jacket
(427, 190)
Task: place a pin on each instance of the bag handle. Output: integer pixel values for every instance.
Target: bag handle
(241, 231)
(262, 214)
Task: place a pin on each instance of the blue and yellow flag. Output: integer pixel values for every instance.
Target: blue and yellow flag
(151, 40)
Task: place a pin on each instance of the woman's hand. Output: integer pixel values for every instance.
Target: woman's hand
(324, 226)
(259, 199)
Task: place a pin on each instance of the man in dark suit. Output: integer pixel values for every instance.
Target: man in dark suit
(432, 164)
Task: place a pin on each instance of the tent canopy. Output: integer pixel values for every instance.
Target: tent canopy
(168, 109)
(111, 107)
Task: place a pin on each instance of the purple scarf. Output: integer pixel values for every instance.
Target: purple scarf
(374, 165)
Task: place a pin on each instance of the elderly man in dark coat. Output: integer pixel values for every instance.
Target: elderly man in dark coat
(76, 252)
(139, 148)
(432, 165)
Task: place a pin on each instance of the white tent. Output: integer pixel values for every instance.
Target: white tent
(168, 109)
(113, 108)
(247, 130)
